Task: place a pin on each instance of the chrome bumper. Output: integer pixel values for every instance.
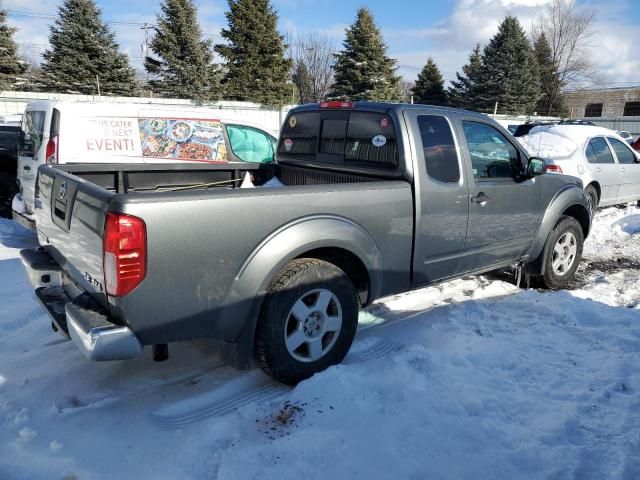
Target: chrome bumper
(25, 220)
(98, 338)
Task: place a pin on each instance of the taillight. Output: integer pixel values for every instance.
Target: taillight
(336, 104)
(52, 151)
(554, 169)
(125, 253)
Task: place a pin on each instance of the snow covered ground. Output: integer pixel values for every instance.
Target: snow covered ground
(471, 379)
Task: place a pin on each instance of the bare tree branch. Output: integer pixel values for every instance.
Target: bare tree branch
(316, 52)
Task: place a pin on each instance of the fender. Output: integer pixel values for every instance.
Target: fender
(568, 197)
(245, 295)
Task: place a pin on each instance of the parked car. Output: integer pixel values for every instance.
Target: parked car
(376, 199)
(626, 136)
(605, 163)
(59, 133)
(9, 139)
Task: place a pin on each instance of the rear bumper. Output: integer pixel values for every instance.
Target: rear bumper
(92, 332)
(25, 220)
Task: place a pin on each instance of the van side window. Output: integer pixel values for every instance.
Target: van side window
(249, 144)
(492, 155)
(32, 132)
(439, 148)
(601, 151)
(624, 154)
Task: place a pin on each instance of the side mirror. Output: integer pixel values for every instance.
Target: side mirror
(537, 166)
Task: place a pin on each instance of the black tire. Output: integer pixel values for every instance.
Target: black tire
(552, 278)
(594, 199)
(299, 282)
(8, 189)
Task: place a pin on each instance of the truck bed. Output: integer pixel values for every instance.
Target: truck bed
(203, 242)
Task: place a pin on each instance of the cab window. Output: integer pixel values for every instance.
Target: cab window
(623, 152)
(439, 149)
(249, 144)
(492, 155)
(598, 151)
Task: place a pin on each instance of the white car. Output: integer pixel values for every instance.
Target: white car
(608, 167)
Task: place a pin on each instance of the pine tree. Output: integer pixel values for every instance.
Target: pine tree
(184, 65)
(465, 91)
(12, 68)
(429, 88)
(551, 101)
(83, 52)
(510, 71)
(363, 71)
(256, 69)
(303, 82)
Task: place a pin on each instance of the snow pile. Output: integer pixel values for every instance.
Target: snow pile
(547, 144)
(469, 379)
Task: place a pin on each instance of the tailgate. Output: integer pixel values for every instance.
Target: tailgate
(70, 223)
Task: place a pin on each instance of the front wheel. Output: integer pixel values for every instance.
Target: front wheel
(308, 320)
(565, 244)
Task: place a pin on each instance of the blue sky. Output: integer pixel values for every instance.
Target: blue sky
(413, 29)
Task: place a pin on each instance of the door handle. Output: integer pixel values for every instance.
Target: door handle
(26, 168)
(598, 169)
(481, 198)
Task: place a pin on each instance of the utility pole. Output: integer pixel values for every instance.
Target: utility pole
(145, 44)
(98, 83)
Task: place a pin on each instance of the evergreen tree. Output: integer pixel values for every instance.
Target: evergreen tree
(184, 65)
(12, 68)
(256, 69)
(363, 71)
(465, 91)
(509, 72)
(551, 101)
(429, 88)
(83, 52)
(303, 82)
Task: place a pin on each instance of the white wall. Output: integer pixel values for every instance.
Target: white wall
(12, 103)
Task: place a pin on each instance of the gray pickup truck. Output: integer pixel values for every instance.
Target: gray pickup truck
(374, 199)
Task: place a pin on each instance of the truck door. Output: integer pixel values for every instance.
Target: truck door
(31, 153)
(441, 197)
(503, 210)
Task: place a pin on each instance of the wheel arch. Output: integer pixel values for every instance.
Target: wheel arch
(570, 202)
(334, 239)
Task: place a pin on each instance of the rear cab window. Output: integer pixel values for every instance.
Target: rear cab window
(344, 138)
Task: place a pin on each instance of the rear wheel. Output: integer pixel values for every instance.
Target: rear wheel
(592, 193)
(8, 189)
(564, 253)
(308, 321)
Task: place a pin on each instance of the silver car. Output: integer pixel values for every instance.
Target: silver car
(608, 167)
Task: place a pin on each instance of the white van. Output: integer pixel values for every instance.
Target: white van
(64, 132)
